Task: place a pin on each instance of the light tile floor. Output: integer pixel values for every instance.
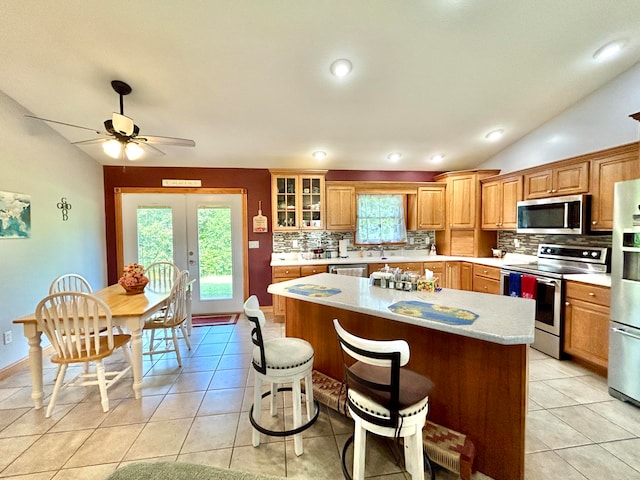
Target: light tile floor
(575, 430)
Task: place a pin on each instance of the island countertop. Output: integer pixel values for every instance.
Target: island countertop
(501, 319)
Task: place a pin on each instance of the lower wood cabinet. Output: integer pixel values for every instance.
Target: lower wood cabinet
(586, 322)
(406, 266)
(486, 279)
(282, 274)
(439, 271)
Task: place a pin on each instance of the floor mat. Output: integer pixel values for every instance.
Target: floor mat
(213, 320)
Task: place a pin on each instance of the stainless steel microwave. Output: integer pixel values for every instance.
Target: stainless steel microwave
(554, 215)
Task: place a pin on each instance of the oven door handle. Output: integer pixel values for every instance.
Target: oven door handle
(624, 332)
(552, 283)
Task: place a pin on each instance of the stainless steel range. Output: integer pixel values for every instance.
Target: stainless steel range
(554, 262)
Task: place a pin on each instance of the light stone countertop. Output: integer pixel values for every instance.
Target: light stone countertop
(601, 279)
(501, 319)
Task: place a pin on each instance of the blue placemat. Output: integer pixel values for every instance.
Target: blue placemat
(429, 311)
(309, 290)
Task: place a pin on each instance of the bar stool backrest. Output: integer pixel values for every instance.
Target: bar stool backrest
(256, 317)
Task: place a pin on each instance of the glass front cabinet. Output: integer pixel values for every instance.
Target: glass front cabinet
(298, 200)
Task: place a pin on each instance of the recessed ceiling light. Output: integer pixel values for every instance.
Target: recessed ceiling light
(609, 50)
(341, 67)
(494, 135)
(319, 155)
(394, 157)
(437, 158)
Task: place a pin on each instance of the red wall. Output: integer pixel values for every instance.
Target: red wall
(257, 183)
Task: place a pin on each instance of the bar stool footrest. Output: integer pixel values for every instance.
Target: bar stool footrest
(284, 433)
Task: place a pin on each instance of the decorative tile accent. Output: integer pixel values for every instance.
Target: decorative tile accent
(309, 290)
(529, 243)
(429, 311)
(308, 240)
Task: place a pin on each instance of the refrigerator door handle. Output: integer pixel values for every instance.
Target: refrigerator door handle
(624, 332)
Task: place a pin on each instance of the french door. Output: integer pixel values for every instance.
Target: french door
(202, 233)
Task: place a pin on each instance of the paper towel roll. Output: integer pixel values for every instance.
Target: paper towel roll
(342, 247)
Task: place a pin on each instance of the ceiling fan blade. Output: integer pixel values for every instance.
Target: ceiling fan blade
(178, 142)
(89, 142)
(99, 132)
(147, 146)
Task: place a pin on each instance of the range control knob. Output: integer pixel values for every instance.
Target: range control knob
(585, 254)
(594, 254)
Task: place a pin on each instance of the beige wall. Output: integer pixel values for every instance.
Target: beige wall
(35, 160)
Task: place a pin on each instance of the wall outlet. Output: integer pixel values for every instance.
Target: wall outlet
(295, 243)
(7, 337)
(516, 243)
(254, 244)
(412, 240)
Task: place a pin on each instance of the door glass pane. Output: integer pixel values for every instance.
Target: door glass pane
(155, 235)
(214, 249)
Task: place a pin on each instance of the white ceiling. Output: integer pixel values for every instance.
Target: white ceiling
(249, 80)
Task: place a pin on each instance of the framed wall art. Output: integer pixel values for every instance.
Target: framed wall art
(15, 215)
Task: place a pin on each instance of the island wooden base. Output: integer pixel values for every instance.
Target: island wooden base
(480, 387)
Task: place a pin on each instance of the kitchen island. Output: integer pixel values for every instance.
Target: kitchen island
(472, 345)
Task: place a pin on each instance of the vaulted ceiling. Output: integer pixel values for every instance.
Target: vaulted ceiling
(249, 80)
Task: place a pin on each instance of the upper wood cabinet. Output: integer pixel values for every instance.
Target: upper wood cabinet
(499, 203)
(611, 166)
(297, 200)
(431, 207)
(563, 178)
(341, 206)
(462, 234)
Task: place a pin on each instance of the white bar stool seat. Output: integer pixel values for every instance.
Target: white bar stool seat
(280, 361)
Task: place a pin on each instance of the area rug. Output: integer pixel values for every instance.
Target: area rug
(181, 471)
(214, 320)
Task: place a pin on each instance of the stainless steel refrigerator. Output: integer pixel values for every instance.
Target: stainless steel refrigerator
(624, 334)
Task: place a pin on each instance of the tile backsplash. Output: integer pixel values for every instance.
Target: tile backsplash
(529, 243)
(306, 240)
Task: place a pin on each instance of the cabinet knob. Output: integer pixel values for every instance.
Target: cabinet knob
(485, 287)
(286, 271)
(594, 223)
(566, 304)
(549, 191)
(591, 294)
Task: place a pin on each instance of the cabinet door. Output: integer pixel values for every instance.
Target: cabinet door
(538, 184)
(571, 179)
(466, 276)
(431, 207)
(586, 333)
(438, 269)
(462, 243)
(341, 207)
(453, 277)
(285, 202)
(604, 174)
(491, 205)
(278, 301)
(311, 194)
(461, 191)
(511, 194)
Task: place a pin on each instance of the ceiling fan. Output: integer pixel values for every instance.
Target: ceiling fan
(122, 139)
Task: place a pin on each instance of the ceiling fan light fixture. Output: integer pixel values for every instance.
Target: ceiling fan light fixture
(122, 124)
(133, 151)
(113, 148)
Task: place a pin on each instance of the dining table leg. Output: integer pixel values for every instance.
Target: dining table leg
(135, 327)
(33, 336)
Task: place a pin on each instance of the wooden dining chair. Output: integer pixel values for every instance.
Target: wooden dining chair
(70, 282)
(161, 276)
(170, 320)
(72, 321)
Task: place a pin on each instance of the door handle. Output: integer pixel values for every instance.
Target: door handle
(191, 262)
(624, 332)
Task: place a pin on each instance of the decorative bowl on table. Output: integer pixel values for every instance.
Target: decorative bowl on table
(133, 279)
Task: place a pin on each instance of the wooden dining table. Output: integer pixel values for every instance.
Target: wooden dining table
(129, 311)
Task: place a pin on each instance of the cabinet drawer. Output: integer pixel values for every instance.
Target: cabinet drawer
(486, 271)
(312, 270)
(486, 285)
(293, 272)
(589, 293)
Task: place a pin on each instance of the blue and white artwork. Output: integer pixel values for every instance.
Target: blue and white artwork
(15, 215)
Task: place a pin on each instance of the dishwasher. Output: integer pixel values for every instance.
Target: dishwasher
(352, 270)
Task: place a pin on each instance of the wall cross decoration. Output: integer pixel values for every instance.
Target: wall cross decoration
(65, 207)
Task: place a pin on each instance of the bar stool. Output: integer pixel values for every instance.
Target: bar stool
(384, 399)
(277, 361)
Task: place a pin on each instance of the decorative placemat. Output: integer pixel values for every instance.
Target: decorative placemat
(309, 290)
(429, 311)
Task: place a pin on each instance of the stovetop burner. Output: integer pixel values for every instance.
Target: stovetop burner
(554, 261)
